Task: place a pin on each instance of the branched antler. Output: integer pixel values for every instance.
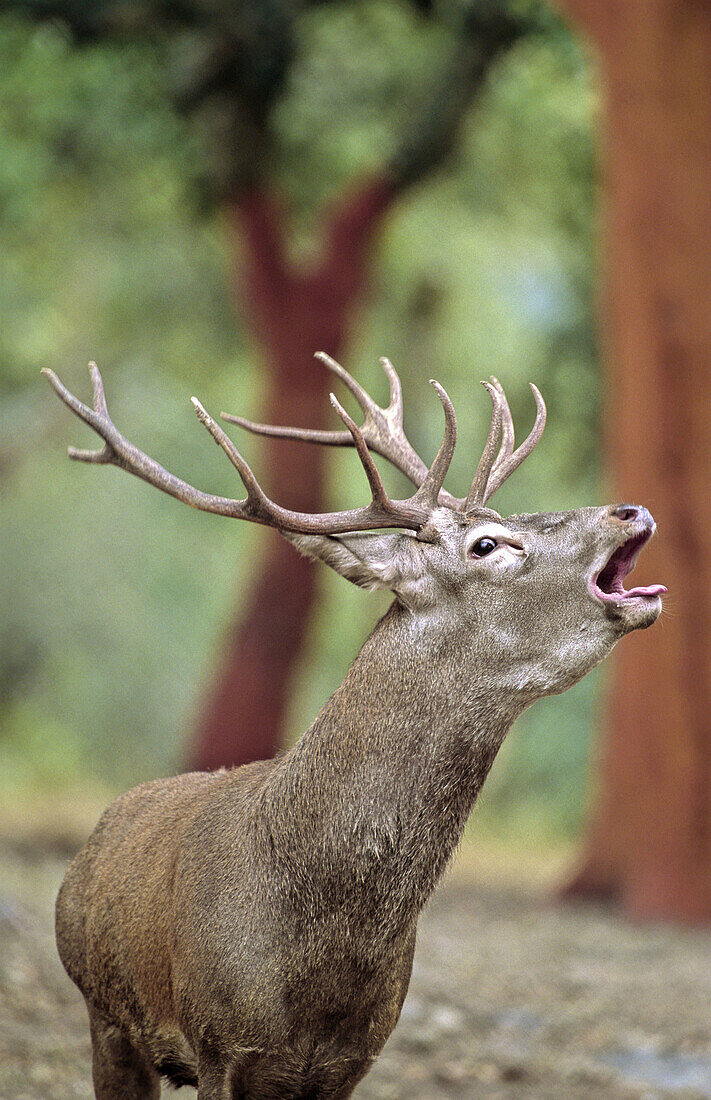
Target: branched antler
(382, 428)
(509, 459)
(117, 450)
(382, 512)
(477, 493)
(383, 432)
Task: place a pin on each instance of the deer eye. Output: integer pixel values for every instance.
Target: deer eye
(483, 546)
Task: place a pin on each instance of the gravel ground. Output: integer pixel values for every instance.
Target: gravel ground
(511, 997)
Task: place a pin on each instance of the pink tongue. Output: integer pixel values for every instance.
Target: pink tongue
(650, 590)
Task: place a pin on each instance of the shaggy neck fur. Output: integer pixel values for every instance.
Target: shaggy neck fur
(382, 783)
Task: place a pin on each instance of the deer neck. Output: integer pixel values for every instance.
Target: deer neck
(383, 781)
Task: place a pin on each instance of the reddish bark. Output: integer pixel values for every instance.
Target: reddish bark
(650, 840)
(293, 313)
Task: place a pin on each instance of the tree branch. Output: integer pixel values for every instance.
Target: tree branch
(90, 22)
(350, 228)
(486, 33)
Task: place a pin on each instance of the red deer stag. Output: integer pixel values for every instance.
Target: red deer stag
(251, 932)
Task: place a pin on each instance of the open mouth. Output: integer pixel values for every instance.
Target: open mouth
(608, 584)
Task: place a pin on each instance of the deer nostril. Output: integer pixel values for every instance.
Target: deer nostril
(626, 512)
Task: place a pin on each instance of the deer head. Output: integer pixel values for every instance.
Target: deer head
(534, 601)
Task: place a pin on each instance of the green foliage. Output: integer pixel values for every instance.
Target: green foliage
(114, 597)
(360, 74)
(110, 600)
(95, 211)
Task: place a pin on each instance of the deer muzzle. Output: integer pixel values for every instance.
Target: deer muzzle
(607, 584)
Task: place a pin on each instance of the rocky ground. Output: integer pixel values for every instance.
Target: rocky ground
(511, 996)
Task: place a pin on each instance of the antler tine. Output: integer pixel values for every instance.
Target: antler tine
(507, 430)
(395, 406)
(507, 424)
(304, 435)
(92, 417)
(255, 494)
(503, 469)
(430, 488)
(371, 471)
(364, 399)
(97, 385)
(477, 493)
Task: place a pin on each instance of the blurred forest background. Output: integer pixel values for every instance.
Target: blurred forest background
(114, 246)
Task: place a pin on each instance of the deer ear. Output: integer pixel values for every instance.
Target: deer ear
(371, 561)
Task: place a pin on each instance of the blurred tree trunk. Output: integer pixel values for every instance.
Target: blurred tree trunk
(293, 314)
(650, 840)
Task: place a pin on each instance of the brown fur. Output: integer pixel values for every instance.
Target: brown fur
(252, 931)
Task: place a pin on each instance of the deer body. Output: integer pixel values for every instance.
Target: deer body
(252, 931)
(325, 859)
